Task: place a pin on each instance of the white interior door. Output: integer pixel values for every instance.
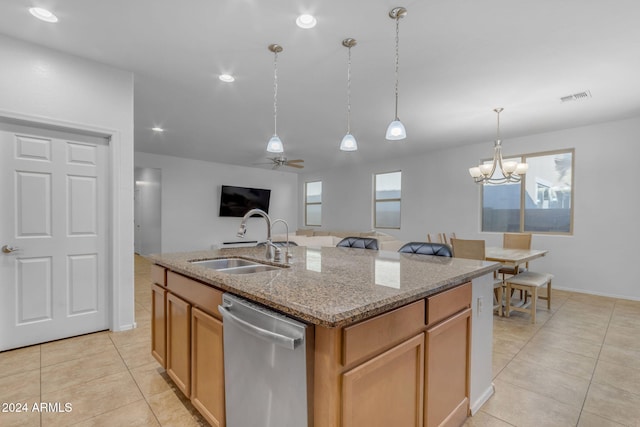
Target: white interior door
(54, 260)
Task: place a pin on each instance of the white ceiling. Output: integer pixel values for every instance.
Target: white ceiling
(459, 59)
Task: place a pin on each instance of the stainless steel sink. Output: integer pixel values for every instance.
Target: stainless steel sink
(235, 265)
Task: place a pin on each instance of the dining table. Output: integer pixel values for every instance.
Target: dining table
(513, 257)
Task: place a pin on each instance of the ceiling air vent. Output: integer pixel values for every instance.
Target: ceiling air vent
(576, 96)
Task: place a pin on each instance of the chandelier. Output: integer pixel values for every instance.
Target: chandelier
(510, 171)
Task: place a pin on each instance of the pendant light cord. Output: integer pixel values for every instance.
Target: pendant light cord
(397, 59)
(275, 93)
(349, 92)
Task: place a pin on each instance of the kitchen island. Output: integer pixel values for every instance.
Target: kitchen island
(393, 336)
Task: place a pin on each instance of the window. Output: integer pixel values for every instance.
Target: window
(541, 203)
(313, 203)
(387, 190)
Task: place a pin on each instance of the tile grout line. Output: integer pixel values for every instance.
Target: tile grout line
(144, 397)
(520, 350)
(596, 367)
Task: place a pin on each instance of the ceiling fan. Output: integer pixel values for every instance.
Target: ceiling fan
(283, 161)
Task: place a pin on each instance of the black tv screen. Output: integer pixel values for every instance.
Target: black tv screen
(237, 201)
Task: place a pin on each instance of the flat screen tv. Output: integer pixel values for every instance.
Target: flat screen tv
(237, 201)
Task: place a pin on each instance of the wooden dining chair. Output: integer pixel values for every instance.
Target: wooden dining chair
(441, 238)
(435, 238)
(474, 249)
(514, 241)
(469, 249)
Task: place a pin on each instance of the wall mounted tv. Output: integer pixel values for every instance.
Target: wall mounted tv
(237, 201)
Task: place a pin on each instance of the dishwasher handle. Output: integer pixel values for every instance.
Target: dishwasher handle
(282, 340)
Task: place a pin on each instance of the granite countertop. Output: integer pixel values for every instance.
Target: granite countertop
(332, 287)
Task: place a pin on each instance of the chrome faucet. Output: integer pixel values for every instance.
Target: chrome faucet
(287, 256)
(272, 250)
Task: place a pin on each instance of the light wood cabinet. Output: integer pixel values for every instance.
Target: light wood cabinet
(158, 324)
(406, 367)
(207, 367)
(447, 371)
(388, 389)
(179, 342)
(187, 340)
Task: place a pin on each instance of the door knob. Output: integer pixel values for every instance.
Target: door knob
(8, 249)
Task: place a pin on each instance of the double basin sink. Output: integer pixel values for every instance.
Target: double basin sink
(235, 265)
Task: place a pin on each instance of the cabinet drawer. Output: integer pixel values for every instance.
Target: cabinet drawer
(200, 295)
(448, 303)
(366, 338)
(159, 275)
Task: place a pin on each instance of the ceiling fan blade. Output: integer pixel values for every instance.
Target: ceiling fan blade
(295, 165)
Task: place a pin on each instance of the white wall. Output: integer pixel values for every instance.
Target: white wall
(191, 201)
(148, 210)
(439, 196)
(46, 86)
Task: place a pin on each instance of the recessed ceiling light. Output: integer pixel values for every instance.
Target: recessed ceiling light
(306, 21)
(157, 129)
(227, 78)
(43, 14)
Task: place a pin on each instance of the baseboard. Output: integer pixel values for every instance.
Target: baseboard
(126, 327)
(600, 294)
(475, 406)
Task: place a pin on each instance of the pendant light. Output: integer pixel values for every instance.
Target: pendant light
(396, 130)
(511, 171)
(349, 142)
(275, 144)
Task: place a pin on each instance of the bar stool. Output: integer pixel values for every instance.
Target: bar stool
(528, 282)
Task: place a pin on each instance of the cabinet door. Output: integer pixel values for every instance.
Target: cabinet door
(388, 389)
(179, 342)
(447, 371)
(207, 387)
(158, 324)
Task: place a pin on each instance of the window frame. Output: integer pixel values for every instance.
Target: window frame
(306, 204)
(523, 190)
(376, 200)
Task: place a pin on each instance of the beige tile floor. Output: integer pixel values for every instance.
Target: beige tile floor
(578, 366)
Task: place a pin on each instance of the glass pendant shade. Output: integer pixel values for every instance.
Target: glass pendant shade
(396, 131)
(348, 143)
(275, 145)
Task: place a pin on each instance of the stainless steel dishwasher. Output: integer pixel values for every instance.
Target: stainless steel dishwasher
(265, 366)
